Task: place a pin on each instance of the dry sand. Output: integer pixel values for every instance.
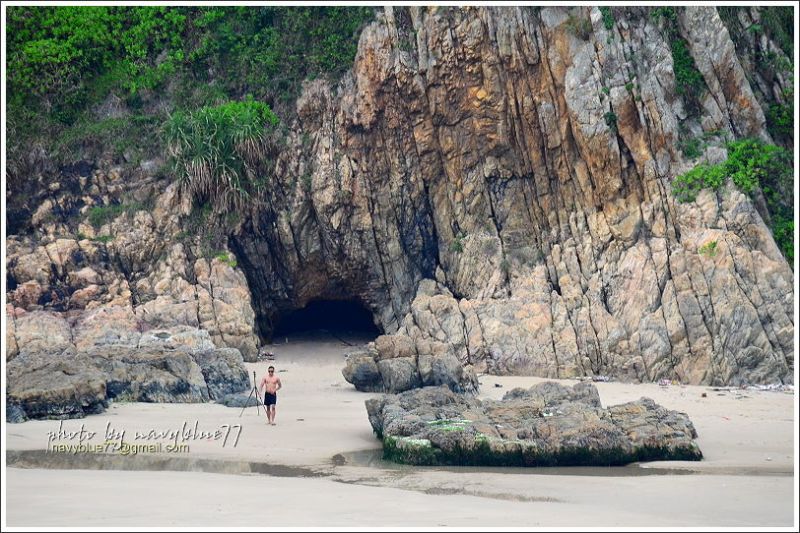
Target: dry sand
(319, 466)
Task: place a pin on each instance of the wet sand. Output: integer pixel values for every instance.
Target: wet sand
(319, 466)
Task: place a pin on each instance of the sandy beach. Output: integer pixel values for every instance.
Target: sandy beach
(320, 466)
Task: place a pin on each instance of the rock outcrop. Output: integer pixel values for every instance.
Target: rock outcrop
(388, 366)
(51, 376)
(546, 425)
(526, 169)
(492, 183)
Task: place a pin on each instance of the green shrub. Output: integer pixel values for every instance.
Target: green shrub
(689, 82)
(691, 147)
(778, 23)
(100, 215)
(217, 151)
(608, 17)
(780, 118)
(752, 165)
(105, 239)
(783, 231)
(611, 120)
(63, 61)
(457, 245)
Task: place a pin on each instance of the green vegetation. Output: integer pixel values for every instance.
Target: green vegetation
(105, 239)
(691, 147)
(752, 166)
(457, 245)
(709, 249)
(780, 117)
(689, 82)
(608, 17)
(226, 258)
(101, 215)
(579, 26)
(217, 151)
(778, 23)
(64, 63)
(611, 120)
(525, 453)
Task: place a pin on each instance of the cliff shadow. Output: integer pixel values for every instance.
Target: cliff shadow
(342, 319)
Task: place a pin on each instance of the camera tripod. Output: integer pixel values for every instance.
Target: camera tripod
(254, 391)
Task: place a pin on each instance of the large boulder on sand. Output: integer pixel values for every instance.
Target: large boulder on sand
(546, 425)
(74, 384)
(362, 371)
(391, 364)
(399, 374)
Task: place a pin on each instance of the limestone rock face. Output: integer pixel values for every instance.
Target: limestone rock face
(546, 425)
(492, 185)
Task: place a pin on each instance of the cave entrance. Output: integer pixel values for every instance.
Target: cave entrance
(338, 318)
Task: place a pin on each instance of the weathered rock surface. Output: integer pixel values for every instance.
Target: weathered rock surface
(493, 187)
(382, 367)
(546, 425)
(73, 383)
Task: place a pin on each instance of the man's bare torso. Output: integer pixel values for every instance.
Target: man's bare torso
(271, 384)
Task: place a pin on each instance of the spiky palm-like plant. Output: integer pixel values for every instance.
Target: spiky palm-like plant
(218, 151)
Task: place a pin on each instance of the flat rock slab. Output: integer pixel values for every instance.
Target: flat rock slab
(546, 425)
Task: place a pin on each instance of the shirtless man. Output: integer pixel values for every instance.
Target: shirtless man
(271, 383)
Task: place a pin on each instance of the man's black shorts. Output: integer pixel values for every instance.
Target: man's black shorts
(270, 399)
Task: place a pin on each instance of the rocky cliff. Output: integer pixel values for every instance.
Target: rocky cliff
(493, 184)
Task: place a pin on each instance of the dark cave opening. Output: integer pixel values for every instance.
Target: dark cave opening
(337, 317)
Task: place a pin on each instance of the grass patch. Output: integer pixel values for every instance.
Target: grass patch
(226, 258)
(105, 239)
(457, 246)
(101, 215)
(709, 249)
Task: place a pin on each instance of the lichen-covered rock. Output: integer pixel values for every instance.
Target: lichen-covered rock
(546, 425)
